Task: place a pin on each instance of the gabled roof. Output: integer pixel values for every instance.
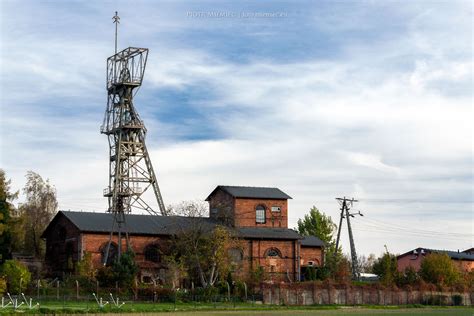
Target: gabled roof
(312, 241)
(470, 250)
(452, 254)
(252, 192)
(90, 222)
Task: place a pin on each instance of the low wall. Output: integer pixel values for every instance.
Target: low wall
(316, 294)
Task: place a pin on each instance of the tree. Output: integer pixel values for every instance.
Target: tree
(317, 224)
(366, 264)
(17, 276)
(386, 268)
(6, 211)
(85, 267)
(36, 213)
(438, 268)
(200, 246)
(125, 268)
(123, 271)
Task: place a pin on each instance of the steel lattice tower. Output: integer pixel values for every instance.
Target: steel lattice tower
(130, 169)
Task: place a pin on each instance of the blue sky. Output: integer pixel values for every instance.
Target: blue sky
(368, 99)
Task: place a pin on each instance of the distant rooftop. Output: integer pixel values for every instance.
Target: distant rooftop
(452, 254)
(252, 192)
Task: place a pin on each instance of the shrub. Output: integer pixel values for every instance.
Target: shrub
(342, 271)
(439, 269)
(323, 273)
(122, 271)
(409, 277)
(85, 267)
(386, 268)
(257, 275)
(16, 275)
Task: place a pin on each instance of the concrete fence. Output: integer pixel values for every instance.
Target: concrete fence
(310, 295)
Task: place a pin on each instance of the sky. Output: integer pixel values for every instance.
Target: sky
(322, 99)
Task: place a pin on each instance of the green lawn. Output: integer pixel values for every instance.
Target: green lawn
(238, 309)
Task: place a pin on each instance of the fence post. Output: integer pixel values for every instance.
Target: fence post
(228, 291)
(57, 290)
(77, 290)
(97, 287)
(245, 289)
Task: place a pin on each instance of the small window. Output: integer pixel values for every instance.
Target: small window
(152, 253)
(273, 253)
(260, 214)
(111, 256)
(236, 255)
(276, 209)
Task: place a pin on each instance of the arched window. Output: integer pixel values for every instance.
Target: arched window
(236, 255)
(260, 214)
(152, 253)
(273, 253)
(111, 256)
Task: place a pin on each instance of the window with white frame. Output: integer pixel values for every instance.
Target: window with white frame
(260, 214)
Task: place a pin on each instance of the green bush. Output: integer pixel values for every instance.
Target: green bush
(439, 269)
(17, 276)
(323, 273)
(386, 268)
(409, 277)
(122, 271)
(205, 294)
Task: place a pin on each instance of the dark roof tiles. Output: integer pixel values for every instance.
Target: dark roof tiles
(252, 192)
(452, 254)
(170, 225)
(312, 241)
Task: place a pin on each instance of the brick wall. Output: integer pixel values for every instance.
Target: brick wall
(245, 215)
(276, 268)
(241, 212)
(221, 207)
(94, 243)
(311, 293)
(411, 260)
(314, 254)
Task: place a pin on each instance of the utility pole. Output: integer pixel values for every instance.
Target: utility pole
(346, 204)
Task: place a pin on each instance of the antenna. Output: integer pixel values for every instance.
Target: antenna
(116, 19)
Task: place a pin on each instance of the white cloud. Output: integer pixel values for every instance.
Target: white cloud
(359, 125)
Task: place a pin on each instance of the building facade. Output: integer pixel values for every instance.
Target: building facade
(414, 258)
(257, 216)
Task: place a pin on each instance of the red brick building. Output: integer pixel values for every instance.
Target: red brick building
(464, 260)
(258, 216)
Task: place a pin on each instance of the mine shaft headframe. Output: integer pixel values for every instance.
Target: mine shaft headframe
(127, 67)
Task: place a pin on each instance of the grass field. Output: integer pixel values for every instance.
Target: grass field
(238, 309)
